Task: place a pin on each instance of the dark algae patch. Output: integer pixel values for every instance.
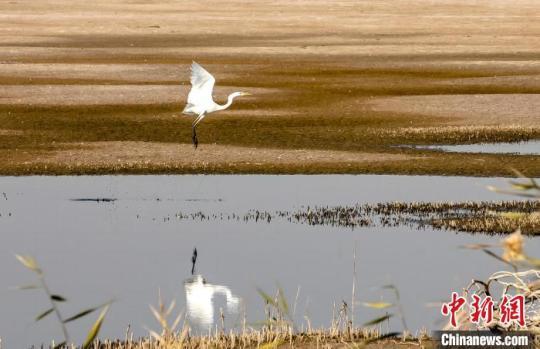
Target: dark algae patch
(42, 131)
(94, 199)
(491, 217)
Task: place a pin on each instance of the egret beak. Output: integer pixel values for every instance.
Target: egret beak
(246, 94)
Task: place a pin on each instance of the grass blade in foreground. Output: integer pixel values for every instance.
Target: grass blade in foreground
(94, 331)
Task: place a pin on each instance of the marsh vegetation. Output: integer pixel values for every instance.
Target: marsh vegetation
(493, 217)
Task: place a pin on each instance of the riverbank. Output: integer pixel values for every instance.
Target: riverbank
(264, 339)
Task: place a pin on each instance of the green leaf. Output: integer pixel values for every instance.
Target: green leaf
(510, 192)
(522, 186)
(377, 305)
(94, 331)
(45, 313)
(58, 298)
(267, 298)
(81, 314)
(533, 261)
(283, 301)
(378, 320)
(383, 337)
(29, 262)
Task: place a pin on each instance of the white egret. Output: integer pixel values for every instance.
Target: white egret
(200, 101)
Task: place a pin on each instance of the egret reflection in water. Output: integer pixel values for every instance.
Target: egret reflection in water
(200, 302)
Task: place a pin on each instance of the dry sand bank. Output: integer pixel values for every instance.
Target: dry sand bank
(330, 82)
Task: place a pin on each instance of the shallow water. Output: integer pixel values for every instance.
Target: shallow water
(131, 246)
(521, 148)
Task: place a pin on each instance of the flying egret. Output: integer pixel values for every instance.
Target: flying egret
(200, 101)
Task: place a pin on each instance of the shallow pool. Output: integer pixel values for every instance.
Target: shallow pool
(518, 148)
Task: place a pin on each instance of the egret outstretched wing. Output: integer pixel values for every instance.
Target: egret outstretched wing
(202, 84)
(200, 101)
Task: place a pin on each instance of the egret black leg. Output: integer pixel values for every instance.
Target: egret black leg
(194, 136)
(193, 260)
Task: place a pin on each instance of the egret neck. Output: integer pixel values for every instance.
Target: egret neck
(230, 99)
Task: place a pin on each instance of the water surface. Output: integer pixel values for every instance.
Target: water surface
(131, 245)
(518, 148)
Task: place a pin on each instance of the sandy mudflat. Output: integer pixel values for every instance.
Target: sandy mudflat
(495, 109)
(324, 76)
(162, 157)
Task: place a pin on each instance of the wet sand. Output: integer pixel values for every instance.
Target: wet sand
(325, 76)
